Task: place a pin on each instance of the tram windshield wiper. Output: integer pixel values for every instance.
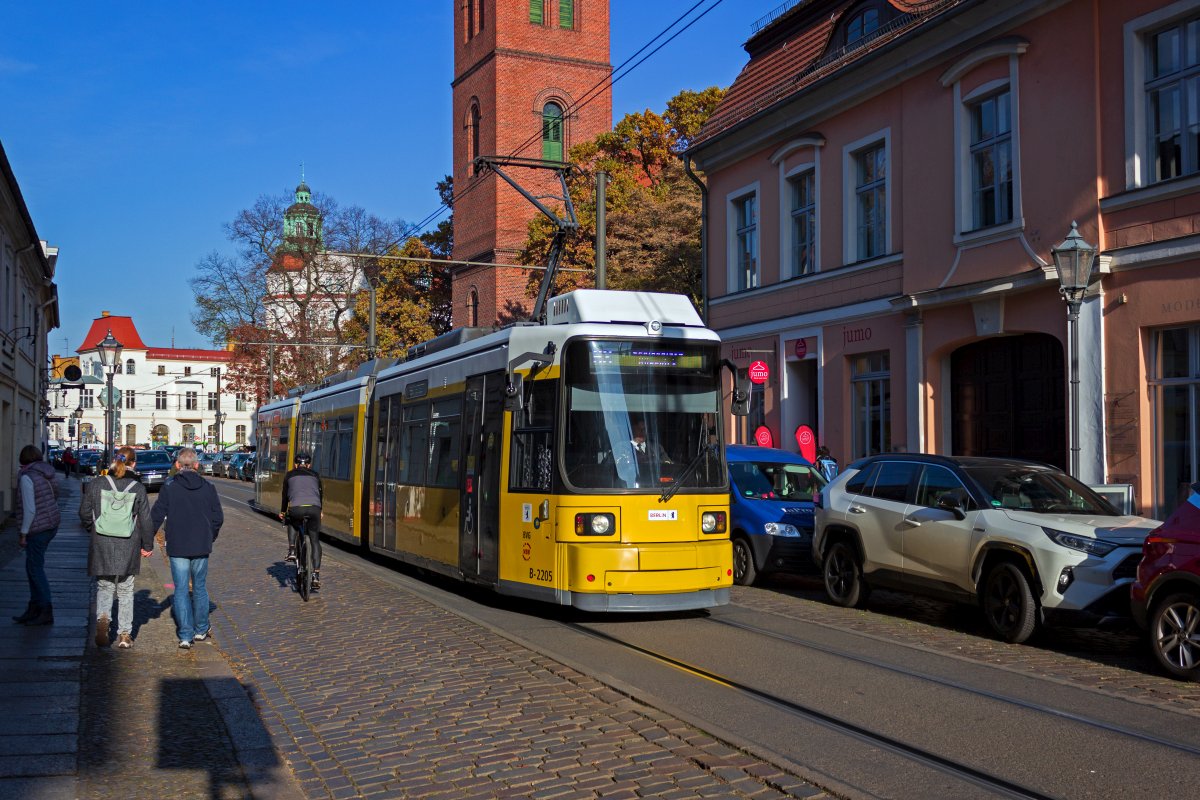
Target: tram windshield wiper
(693, 465)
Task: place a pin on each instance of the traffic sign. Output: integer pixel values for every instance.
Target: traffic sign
(759, 372)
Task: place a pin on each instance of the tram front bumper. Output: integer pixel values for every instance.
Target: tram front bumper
(629, 577)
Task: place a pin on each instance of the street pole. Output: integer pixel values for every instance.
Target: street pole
(601, 230)
(371, 328)
(220, 419)
(1073, 303)
(108, 415)
(270, 372)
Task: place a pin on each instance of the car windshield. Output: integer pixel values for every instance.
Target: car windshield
(772, 481)
(207, 457)
(637, 414)
(1037, 489)
(89, 456)
(153, 459)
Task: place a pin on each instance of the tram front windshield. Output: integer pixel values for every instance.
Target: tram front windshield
(640, 413)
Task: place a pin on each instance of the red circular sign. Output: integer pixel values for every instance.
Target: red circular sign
(801, 348)
(759, 372)
(762, 436)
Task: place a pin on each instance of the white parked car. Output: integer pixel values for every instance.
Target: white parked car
(1026, 541)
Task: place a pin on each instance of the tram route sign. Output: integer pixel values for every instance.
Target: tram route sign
(759, 372)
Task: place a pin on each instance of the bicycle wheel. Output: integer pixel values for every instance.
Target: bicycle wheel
(303, 562)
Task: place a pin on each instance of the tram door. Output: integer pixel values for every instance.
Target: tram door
(483, 424)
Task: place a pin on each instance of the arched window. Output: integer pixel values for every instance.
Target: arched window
(552, 132)
(473, 308)
(473, 117)
(129, 367)
(189, 434)
(861, 25)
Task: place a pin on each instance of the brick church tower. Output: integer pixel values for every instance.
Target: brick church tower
(520, 69)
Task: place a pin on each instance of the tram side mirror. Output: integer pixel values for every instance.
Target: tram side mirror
(740, 406)
(514, 392)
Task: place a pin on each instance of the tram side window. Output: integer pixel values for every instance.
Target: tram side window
(281, 449)
(416, 444)
(341, 447)
(533, 440)
(445, 442)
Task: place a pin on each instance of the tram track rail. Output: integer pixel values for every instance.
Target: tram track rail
(995, 784)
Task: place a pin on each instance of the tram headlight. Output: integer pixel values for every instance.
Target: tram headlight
(712, 522)
(595, 524)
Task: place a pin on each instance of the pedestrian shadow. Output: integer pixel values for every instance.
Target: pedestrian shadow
(145, 609)
(212, 726)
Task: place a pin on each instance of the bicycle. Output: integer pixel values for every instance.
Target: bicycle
(304, 565)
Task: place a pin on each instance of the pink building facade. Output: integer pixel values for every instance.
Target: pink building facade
(886, 181)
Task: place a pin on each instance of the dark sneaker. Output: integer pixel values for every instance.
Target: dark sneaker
(316, 581)
(184, 644)
(124, 641)
(291, 556)
(102, 631)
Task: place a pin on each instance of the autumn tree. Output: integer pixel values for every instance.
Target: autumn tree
(296, 293)
(653, 223)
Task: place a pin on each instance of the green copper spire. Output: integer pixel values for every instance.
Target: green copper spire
(302, 220)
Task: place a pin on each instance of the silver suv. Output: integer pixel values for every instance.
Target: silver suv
(1025, 541)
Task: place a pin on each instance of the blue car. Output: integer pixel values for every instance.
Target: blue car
(771, 511)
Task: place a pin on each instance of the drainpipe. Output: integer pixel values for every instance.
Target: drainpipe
(687, 167)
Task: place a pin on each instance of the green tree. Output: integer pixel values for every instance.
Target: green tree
(653, 220)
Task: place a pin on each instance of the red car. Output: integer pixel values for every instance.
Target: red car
(1166, 594)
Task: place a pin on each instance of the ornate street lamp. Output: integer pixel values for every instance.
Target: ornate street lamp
(110, 355)
(1073, 260)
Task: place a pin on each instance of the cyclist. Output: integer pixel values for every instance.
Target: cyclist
(302, 497)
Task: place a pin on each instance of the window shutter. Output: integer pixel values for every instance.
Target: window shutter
(566, 13)
(536, 12)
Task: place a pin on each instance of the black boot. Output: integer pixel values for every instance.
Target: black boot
(31, 611)
(45, 616)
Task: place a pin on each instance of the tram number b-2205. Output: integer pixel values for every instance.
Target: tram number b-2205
(541, 575)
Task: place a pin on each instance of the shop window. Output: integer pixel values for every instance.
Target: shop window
(871, 404)
(1175, 383)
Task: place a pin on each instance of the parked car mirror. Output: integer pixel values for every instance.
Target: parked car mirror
(948, 501)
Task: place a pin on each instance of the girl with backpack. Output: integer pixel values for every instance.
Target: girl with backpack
(116, 511)
(39, 524)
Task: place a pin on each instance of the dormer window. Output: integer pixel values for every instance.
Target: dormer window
(861, 25)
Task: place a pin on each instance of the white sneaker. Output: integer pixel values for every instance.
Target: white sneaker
(185, 645)
(200, 637)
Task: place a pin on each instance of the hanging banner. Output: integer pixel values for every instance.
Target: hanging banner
(807, 441)
(763, 437)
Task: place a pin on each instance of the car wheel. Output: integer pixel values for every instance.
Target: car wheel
(843, 576)
(1175, 635)
(1008, 603)
(744, 572)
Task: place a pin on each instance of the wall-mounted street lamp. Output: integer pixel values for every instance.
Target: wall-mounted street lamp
(1073, 259)
(109, 350)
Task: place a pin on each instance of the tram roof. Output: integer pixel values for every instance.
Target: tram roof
(278, 404)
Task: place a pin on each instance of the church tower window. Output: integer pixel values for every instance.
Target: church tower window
(566, 14)
(552, 132)
(537, 13)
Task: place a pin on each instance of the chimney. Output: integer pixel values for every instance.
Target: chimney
(104, 313)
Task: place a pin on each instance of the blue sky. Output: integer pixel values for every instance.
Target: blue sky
(137, 129)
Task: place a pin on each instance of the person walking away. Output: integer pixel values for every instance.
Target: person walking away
(192, 511)
(39, 523)
(303, 495)
(116, 511)
(70, 461)
(826, 463)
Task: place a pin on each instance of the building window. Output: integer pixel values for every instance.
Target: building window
(472, 308)
(87, 398)
(215, 372)
(552, 132)
(871, 404)
(804, 223)
(130, 398)
(239, 434)
(117, 368)
(191, 401)
(162, 369)
(160, 401)
(212, 401)
(131, 434)
(870, 202)
(473, 118)
(239, 401)
(212, 433)
(1173, 100)
(130, 367)
(537, 12)
(187, 371)
(745, 242)
(862, 25)
(189, 434)
(566, 14)
(991, 161)
(1175, 384)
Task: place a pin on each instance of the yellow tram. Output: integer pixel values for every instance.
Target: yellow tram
(576, 462)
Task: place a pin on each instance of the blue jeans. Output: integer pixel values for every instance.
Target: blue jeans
(191, 613)
(36, 545)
